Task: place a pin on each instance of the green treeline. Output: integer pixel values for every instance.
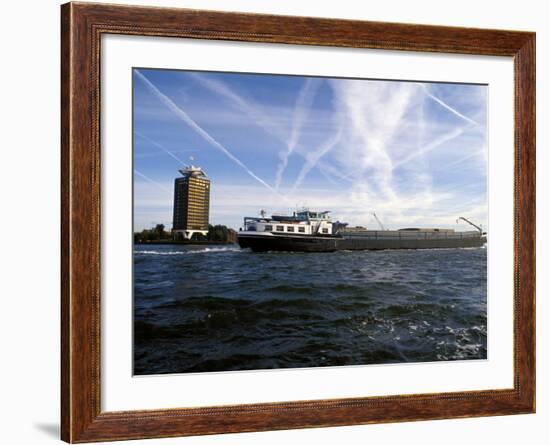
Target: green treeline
(217, 234)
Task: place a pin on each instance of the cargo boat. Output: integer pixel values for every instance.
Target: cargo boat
(308, 231)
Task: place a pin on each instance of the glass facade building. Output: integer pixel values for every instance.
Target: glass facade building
(191, 202)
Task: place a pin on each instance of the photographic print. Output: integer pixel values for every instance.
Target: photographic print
(286, 221)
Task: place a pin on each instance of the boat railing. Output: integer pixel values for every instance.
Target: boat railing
(396, 234)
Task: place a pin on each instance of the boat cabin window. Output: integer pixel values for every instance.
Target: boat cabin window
(301, 229)
(325, 230)
(290, 229)
(268, 228)
(305, 215)
(280, 228)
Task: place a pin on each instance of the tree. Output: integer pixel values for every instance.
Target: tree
(159, 230)
(217, 233)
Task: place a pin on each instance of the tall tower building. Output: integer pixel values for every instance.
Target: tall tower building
(191, 202)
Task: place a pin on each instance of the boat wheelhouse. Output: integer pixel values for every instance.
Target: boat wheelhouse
(304, 222)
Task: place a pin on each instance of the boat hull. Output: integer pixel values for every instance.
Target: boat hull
(264, 243)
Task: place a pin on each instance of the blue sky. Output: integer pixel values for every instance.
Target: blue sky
(415, 153)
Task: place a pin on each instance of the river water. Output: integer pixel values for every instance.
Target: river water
(220, 308)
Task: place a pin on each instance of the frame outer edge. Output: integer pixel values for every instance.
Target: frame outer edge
(525, 69)
(82, 419)
(66, 47)
(80, 235)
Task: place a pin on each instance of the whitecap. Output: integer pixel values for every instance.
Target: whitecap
(186, 252)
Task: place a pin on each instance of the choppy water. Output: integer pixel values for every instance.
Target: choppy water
(220, 308)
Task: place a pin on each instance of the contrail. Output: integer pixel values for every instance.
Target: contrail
(327, 169)
(421, 122)
(448, 107)
(259, 118)
(303, 102)
(252, 111)
(156, 144)
(463, 159)
(432, 145)
(185, 118)
(147, 178)
(313, 158)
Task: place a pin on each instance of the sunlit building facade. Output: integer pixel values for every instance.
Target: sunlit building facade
(191, 203)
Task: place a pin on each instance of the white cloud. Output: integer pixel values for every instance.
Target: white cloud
(230, 203)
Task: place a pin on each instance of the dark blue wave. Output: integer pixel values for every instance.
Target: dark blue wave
(220, 309)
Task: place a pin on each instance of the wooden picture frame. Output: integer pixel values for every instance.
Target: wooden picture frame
(82, 26)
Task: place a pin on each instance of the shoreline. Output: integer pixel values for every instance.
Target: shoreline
(187, 243)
